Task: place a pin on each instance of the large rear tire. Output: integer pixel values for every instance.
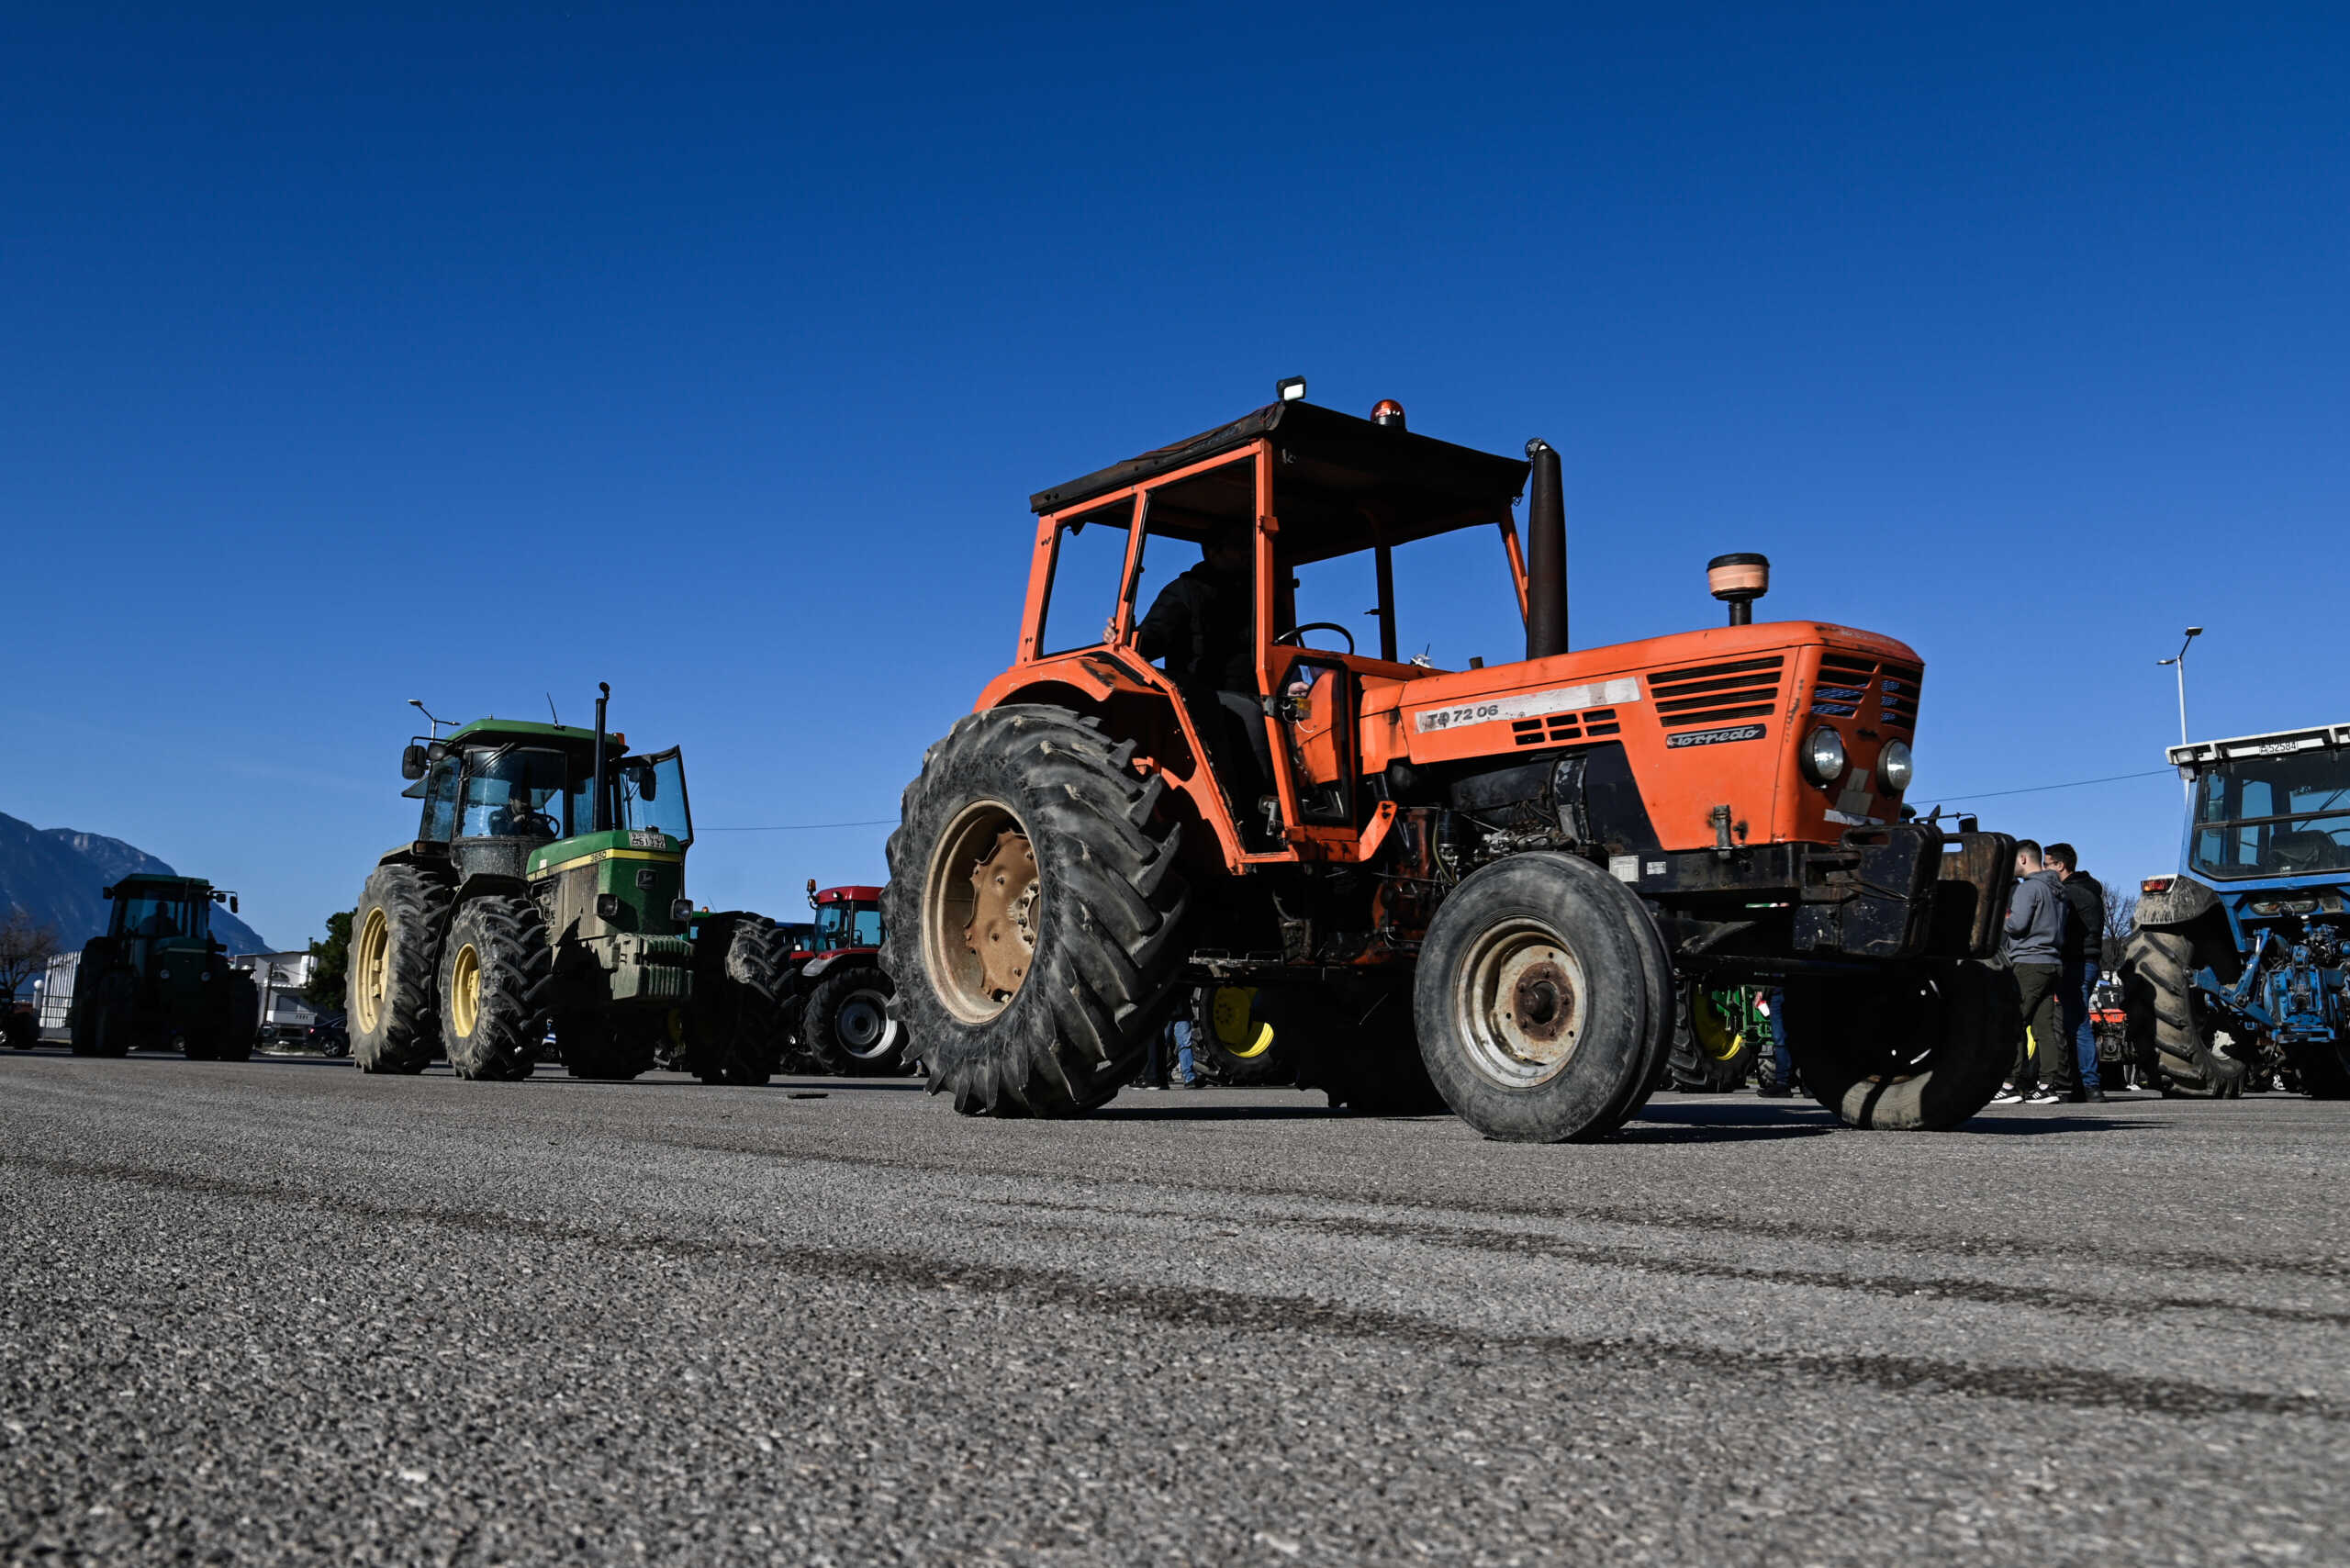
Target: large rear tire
(1711, 1054)
(2158, 1004)
(737, 1020)
(1540, 1000)
(391, 1002)
(846, 1027)
(496, 972)
(103, 1020)
(1033, 914)
(1246, 1034)
(1921, 1051)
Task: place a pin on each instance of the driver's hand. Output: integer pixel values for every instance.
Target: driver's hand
(1110, 630)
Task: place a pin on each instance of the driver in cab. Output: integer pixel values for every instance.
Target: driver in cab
(1202, 624)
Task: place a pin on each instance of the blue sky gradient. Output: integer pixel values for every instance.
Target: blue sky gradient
(714, 351)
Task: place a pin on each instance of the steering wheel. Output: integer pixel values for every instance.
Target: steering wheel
(1295, 635)
(525, 821)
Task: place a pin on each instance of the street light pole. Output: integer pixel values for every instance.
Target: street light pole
(2178, 666)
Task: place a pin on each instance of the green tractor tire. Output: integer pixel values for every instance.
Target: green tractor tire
(1712, 1050)
(1245, 1034)
(496, 971)
(391, 1002)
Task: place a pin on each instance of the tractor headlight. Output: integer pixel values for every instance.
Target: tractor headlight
(1823, 755)
(1894, 765)
(607, 906)
(681, 910)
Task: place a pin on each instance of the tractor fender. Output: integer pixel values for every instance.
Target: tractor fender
(1097, 679)
(814, 969)
(482, 882)
(2185, 900)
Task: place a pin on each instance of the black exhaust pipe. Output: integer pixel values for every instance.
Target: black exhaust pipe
(601, 813)
(1546, 555)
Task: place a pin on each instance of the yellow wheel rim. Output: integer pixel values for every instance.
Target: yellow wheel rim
(375, 971)
(1231, 1011)
(1715, 1037)
(465, 991)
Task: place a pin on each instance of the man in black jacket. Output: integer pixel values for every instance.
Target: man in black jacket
(2079, 956)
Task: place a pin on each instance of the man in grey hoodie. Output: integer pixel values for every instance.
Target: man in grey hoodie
(2035, 938)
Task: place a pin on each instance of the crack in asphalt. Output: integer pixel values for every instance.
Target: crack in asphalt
(1243, 1312)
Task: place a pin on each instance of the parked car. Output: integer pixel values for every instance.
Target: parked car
(329, 1035)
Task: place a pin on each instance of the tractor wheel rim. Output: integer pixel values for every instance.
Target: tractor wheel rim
(982, 909)
(1238, 1031)
(464, 991)
(375, 969)
(864, 1025)
(1716, 1036)
(1519, 1003)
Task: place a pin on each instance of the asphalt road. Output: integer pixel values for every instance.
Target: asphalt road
(278, 1311)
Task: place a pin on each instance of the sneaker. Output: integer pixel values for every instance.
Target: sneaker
(2043, 1097)
(2007, 1096)
(1775, 1092)
(2094, 1096)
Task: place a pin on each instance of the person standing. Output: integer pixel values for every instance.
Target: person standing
(2079, 959)
(2035, 931)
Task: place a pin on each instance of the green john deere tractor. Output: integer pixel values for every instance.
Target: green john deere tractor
(157, 973)
(546, 887)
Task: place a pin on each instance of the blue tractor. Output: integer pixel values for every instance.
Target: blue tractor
(2247, 941)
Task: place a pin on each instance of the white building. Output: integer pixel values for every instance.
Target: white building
(280, 978)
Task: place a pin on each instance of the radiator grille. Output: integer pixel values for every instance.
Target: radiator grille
(1852, 686)
(1718, 694)
(1589, 724)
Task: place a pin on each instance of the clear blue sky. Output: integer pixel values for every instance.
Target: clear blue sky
(394, 351)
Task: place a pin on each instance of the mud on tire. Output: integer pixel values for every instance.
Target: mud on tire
(1033, 912)
(496, 970)
(1921, 1051)
(390, 1001)
(2158, 1009)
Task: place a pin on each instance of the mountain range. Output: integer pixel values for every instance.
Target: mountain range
(54, 873)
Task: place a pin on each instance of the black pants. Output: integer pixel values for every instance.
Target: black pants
(2047, 1056)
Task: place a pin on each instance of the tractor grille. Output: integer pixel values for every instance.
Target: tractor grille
(1589, 724)
(1718, 694)
(1847, 680)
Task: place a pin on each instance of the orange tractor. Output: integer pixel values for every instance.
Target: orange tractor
(1477, 887)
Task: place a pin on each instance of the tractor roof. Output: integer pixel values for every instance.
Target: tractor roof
(1335, 470)
(170, 877)
(2277, 743)
(857, 894)
(523, 729)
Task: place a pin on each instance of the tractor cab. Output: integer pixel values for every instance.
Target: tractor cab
(847, 919)
(165, 910)
(2271, 810)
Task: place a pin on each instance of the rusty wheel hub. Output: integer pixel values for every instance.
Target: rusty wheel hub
(1003, 932)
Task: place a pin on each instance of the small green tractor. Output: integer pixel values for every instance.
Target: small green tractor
(157, 973)
(545, 887)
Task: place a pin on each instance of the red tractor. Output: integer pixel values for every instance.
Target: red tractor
(840, 1010)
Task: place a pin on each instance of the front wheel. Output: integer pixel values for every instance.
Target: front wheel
(2159, 1012)
(1539, 1006)
(390, 998)
(1923, 1050)
(495, 975)
(1034, 912)
(846, 1025)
